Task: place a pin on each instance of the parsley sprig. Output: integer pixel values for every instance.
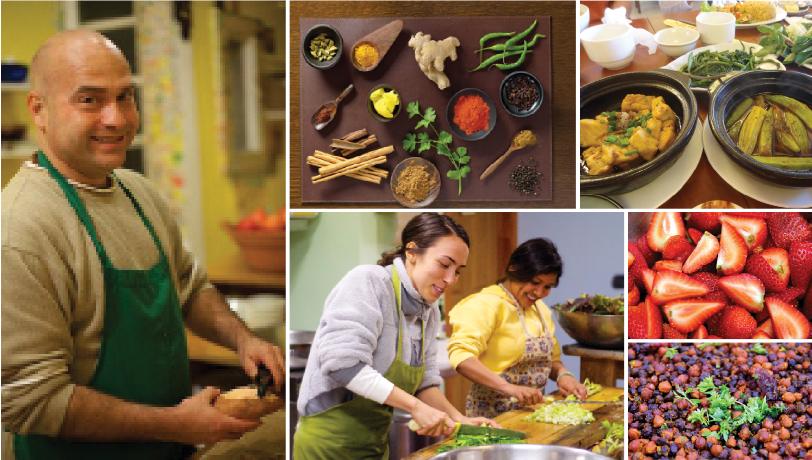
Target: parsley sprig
(721, 406)
(422, 142)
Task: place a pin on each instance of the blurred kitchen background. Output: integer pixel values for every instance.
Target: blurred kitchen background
(325, 246)
(210, 80)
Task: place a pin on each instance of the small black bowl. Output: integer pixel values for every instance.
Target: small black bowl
(607, 94)
(371, 107)
(491, 115)
(514, 110)
(331, 33)
(748, 84)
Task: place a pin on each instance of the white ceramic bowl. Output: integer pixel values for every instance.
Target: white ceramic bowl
(676, 41)
(611, 46)
(716, 27)
(583, 17)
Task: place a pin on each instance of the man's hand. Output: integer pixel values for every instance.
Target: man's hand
(253, 350)
(200, 423)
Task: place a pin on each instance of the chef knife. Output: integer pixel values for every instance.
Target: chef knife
(476, 430)
(263, 380)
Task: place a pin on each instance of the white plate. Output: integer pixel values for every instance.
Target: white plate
(677, 63)
(658, 191)
(748, 183)
(803, 21)
(780, 15)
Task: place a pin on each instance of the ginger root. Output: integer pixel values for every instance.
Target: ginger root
(431, 55)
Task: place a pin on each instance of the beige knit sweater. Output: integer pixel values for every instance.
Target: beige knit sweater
(53, 287)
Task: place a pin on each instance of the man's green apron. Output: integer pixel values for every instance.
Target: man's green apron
(359, 429)
(143, 355)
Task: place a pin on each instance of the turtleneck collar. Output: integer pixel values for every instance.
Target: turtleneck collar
(412, 302)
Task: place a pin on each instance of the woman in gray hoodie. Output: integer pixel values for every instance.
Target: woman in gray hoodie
(375, 348)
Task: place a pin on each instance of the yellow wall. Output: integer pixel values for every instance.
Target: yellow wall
(223, 198)
(25, 25)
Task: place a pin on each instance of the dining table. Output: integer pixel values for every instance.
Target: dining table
(704, 184)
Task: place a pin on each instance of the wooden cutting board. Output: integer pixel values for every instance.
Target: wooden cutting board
(579, 436)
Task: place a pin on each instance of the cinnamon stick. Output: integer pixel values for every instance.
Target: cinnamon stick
(355, 135)
(332, 159)
(381, 152)
(348, 169)
(363, 175)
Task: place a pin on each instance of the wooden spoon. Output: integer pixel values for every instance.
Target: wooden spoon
(516, 144)
(330, 108)
(381, 39)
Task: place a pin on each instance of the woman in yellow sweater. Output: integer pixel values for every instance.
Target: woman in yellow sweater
(503, 336)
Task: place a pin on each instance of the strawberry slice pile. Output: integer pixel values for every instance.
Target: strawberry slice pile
(722, 275)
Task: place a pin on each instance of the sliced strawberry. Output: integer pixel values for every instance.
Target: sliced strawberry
(694, 235)
(700, 333)
(648, 254)
(664, 225)
(766, 328)
(672, 285)
(732, 251)
(771, 266)
(788, 227)
(704, 221)
(800, 263)
(752, 229)
(737, 323)
(671, 333)
(790, 296)
(688, 314)
(788, 321)
(761, 335)
(645, 321)
(762, 215)
(713, 337)
(634, 295)
(714, 322)
(807, 303)
(745, 290)
(710, 280)
(677, 248)
(705, 252)
(637, 266)
(673, 265)
(648, 276)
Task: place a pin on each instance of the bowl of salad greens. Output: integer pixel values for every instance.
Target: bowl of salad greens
(593, 320)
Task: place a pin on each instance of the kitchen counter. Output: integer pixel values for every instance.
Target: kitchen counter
(579, 436)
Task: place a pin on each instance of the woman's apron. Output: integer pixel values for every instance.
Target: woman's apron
(143, 356)
(359, 429)
(531, 370)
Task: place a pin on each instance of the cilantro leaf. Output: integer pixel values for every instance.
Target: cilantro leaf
(409, 142)
(413, 109)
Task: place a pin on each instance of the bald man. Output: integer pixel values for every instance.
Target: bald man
(97, 285)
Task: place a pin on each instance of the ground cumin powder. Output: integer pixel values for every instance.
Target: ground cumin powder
(415, 183)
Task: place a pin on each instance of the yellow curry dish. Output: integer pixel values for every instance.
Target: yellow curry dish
(619, 140)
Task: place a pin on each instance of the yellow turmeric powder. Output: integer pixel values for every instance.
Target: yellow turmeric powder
(366, 55)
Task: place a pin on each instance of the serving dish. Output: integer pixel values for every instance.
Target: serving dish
(519, 452)
(735, 90)
(780, 15)
(750, 184)
(770, 64)
(606, 95)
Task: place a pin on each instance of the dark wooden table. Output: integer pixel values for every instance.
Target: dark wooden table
(563, 35)
(705, 184)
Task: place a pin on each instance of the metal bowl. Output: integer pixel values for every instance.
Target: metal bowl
(748, 84)
(519, 452)
(597, 331)
(607, 94)
(393, 182)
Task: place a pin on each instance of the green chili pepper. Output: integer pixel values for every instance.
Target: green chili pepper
(515, 39)
(492, 60)
(501, 46)
(517, 63)
(493, 35)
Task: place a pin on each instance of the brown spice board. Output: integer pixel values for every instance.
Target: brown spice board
(399, 70)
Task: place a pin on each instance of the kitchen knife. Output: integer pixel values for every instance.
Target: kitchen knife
(263, 380)
(565, 401)
(476, 430)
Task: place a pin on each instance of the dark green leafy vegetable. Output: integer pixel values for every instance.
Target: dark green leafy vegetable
(597, 304)
(468, 440)
(711, 64)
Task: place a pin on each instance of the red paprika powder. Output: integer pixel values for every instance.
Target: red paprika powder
(471, 113)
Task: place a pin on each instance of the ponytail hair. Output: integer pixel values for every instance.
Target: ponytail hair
(423, 230)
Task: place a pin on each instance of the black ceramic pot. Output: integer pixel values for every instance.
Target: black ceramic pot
(748, 84)
(607, 94)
